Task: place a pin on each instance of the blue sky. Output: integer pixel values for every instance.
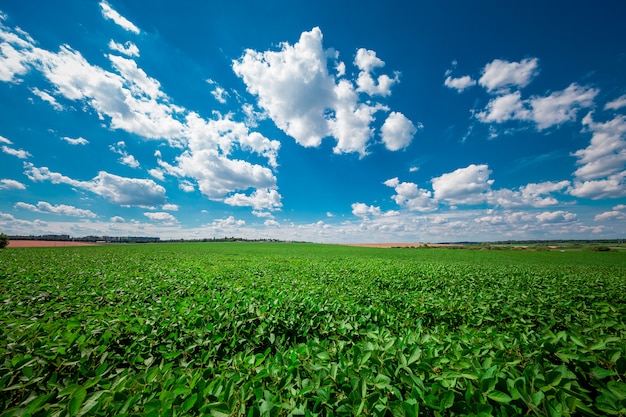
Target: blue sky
(332, 122)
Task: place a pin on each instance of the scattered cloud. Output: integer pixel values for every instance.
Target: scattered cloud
(397, 131)
(459, 84)
(500, 75)
(19, 153)
(616, 104)
(260, 199)
(552, 110)
(128, 48)
(170, 207)
(218, 92)
(8, 184)
(45, 96)
(60, 209)
(75, 141)
(606, 153)
(367, 61)
(530, 195)
(125, 159)
(363, 210)
(118, 219)
(468, 185)
(410, 196)
(109, 13)
(307, 102)
(555, 216)
(116, 189)
(161, 216)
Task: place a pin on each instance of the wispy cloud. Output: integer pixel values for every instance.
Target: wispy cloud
(109, 13)
(59, 209)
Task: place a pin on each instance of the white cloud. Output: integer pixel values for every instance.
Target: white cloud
(552, 110)
(530, 195)
(555, 216)
(606, 153)
(75, 141)
(116, 189)
(125, 159)
(19, 153)
(228, 223)
(187, 186)
(109, 13)
(118, 219)
(170, 207)
(367, 61)
(500, 75)
(410, 196)
(397, 131)
(459, 84)
(611, 187)
(128, 48)
(468, 185)
(5, 140)
(504, 108)
(260, 199)
(296, 90)
(161, 216)
(61, 209)
(561, 106)
(218, 92)
(45, 96)
(364, 211)
(610, 216)
(7, 184)
(157, 173)
(14, 61)
(616, 104)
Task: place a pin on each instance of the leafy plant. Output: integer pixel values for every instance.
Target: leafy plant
(278, 329)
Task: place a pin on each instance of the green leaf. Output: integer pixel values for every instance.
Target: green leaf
(90, 403)
(38, 403)
(76, 400)
(618, 389)
(601, 373)
(190, 402)
(447, 399)
(499, 396)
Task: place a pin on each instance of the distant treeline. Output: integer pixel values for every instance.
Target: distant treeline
(107, 239)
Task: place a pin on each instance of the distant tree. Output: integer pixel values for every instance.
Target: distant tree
(4, 240)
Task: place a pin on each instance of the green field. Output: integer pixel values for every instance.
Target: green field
(299, 329)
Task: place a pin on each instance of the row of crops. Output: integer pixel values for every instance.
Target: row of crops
(261, 329)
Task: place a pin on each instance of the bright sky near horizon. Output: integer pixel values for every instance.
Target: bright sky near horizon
(325, 121)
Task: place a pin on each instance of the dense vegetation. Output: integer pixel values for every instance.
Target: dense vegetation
(297, 329)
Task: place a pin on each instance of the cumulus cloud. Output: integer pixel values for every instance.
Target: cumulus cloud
(161, 216)
(364, 211)
(268, 199)
(606, 153)
(130, 100)
(109, 13)
(8, 184)
(409, 195)
(552, 110)
(459, 84)
(367, 61)
(556, 216)
(397, 131)
(116, 189)
(499, 74)
(611, 187)
(170, 207)
(75, 141)
(118, 219)
(297, 91)
(60, 209)
(463, 186)
(530, 195)
(128, 48)
(228, 223)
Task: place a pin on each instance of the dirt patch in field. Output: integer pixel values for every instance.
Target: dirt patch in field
(46, 243)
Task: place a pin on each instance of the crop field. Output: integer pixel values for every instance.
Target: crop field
(270, 329)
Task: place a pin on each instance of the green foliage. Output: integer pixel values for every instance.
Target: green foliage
(277, 329)
(4, 240)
